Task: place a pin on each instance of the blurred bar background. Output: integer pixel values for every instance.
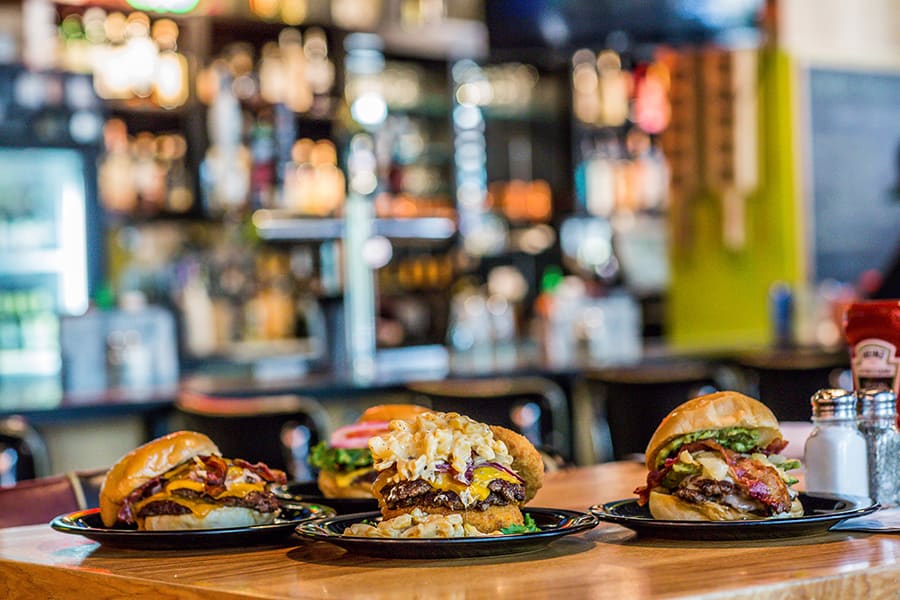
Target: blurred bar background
(339, 201)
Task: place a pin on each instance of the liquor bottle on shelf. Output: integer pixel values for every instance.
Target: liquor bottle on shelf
(118, 191)
(226, 169)
(313, 183)
(144, 175)
(262, 153)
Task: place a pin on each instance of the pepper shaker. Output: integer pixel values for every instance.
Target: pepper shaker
(877, 410)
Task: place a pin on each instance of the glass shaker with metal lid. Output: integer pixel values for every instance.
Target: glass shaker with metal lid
(835, 451)
(877, 410)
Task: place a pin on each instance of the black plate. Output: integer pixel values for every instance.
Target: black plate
(87, 523)
(308, 491)
(821, 512)
(553, 524)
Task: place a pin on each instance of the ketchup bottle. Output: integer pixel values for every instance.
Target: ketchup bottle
(872, 330)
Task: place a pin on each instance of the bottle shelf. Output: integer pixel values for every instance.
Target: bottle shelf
(282, 227)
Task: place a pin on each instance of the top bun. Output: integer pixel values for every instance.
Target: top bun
(720, 410)
(146, 462)
(389, 412)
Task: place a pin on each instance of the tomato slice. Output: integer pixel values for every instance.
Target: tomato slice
(357, 435)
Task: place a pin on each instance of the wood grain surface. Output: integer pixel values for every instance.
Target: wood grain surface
(607, 562)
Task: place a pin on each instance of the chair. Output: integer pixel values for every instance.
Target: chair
(630, 401)
(535, 407)
(23, 453)
(277, 430)
(785, 379)
(37, 501)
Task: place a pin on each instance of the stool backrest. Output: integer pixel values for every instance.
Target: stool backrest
(533, 406)
(37, 501)
(631, 401)
(23, 453)
(277, 430)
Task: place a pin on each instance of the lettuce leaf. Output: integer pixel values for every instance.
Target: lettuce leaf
(679, 471)
(326, 458)
(789, 465)
(529, 526)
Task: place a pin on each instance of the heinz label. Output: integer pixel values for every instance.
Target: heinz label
(875, 364)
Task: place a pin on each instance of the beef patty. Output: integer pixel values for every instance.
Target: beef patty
(418, 492)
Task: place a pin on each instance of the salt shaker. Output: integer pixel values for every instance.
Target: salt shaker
(877, 410)
(835, 451)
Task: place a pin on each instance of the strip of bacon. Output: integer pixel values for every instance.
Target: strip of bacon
(654, 479)
(216, 470)
(776, 447)
(261, 469)
(763, 483)
(153, 486)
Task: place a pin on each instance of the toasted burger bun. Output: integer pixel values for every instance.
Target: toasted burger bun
(485, 521)
(527, 460)
(671, 508)
(389, 412)
(146, 462)
(720, 410)
(330, 488)
(223, 517)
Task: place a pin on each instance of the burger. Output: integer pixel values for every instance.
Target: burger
(344, 460)
(716, 458)
(181, 481)
(448, 464)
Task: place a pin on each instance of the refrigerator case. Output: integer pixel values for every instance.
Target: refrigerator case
(49, 241)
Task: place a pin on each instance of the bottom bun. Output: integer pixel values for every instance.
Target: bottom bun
(330, 488)
(485, 521)
(225, 517)
(671, 508)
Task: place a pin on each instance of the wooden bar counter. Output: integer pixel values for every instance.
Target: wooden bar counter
(606, 562)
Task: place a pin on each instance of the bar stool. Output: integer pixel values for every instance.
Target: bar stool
(36, 501)
(277, 430)
(534, 406)
(630, 401)
(785, 379)
(23, 453)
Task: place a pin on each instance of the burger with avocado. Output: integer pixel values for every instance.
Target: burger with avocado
(717, 458)
(181, 481)
(344, 460)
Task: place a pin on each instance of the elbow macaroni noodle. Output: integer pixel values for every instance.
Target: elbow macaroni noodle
(418, 447)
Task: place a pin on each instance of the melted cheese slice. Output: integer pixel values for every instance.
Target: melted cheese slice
(196, 506)
(184, 484)
(477, 490)
(346, 479)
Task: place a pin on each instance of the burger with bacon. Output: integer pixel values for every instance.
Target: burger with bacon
(448, 464)
(181, 481)
(344, 461)
(717, 458)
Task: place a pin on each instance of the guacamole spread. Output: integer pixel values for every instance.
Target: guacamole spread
(739, 439)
